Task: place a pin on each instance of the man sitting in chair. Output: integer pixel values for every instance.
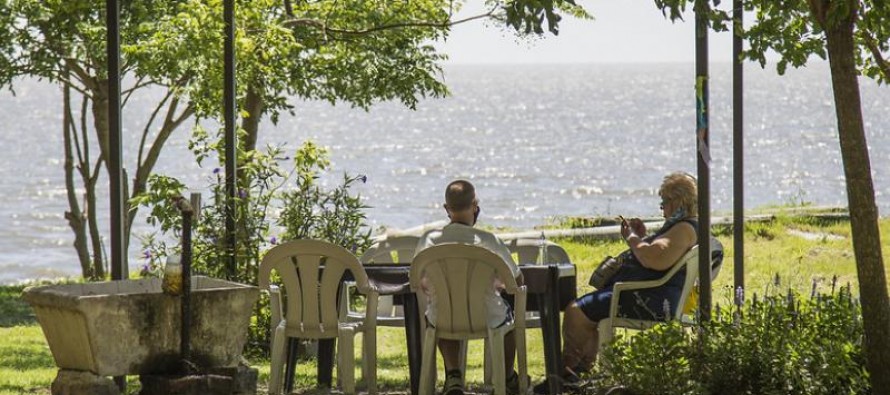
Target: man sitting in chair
(462, 209)
(650, 258)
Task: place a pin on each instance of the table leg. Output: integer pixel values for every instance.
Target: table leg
(290, 364)
(326, 362)
(550, 329)
(412, 334)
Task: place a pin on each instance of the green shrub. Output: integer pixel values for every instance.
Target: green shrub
(779, 344)
(270, 199)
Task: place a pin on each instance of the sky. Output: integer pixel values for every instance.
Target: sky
(623, 31)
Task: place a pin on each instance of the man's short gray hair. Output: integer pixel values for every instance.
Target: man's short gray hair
(459, 195)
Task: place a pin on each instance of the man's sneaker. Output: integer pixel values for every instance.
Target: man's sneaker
(513, 383)
(570, 383)
(453, 383)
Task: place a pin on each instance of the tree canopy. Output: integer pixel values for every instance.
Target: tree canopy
(854, 36)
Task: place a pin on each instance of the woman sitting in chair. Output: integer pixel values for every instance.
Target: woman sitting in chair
(650, 258)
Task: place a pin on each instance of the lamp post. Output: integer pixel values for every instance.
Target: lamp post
(230, 139)
(704, 158)
(738, 170)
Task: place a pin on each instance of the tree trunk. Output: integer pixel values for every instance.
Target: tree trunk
(140, 179)
(99, 109)
(861, 199)
(95, 236)
(254, 105)
(74, 216)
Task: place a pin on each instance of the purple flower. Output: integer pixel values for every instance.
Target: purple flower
(145, 269)
(242, 193)
(216, 170)
(273, 240)
(739, 296)
(146, 254)
(364, 178)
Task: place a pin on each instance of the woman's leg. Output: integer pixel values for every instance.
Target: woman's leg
(580, 336)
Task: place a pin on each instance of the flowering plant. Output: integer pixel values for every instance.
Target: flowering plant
(774, 344)
(271, 199)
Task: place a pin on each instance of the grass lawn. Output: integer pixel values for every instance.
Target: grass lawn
(778, 247)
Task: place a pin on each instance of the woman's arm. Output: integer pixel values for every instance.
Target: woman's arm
(664, 251)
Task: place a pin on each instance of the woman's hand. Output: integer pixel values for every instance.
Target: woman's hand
(638, 227)
(625, 228)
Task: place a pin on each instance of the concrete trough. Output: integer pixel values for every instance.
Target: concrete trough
(130, 327)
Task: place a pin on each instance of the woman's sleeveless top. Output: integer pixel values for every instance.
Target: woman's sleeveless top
(633, 270)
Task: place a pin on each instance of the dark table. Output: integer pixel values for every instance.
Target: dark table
(550, 287)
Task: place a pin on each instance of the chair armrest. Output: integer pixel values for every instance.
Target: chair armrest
(620, 287)
(520, 300)
(275, 305)
(370, 320)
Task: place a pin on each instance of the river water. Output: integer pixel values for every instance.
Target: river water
(539, 141)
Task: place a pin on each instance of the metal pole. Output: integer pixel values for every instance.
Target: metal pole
(185, 306)
(230, 139)
(704, 158)
(115, 168)
(118, 249)
(738, 157)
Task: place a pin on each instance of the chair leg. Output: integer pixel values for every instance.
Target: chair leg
(606, 332)
(428, 366)
(345, 356)
(462, 360)
(498, 374)
(521, 360)
(486, 364)
(277, 360)
(369, 363)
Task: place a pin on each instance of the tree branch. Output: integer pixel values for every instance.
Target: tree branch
(171, 123)
(137, 85)
(872, 45)
(143, 171)
(85, 78)
(95, 175)
(147, 128)
(421, 24)
(71, 124)
(85, 163)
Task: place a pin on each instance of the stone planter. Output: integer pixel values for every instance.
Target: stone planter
(130, 327)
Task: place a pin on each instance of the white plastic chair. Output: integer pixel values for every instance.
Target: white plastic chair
(462, 276)
(311, 272)
(537, 251)
(530, 251)
(689, 260)
(397, 249)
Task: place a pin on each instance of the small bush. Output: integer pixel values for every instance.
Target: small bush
(273, 204)
(779, 344)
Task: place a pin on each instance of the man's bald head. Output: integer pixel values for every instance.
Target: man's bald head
(460, 195)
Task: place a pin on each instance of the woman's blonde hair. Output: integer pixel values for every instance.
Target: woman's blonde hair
(680, 188)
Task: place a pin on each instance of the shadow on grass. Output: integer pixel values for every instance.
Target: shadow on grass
(13, 310)
(14, 389)
(390, 362)
(23, 357)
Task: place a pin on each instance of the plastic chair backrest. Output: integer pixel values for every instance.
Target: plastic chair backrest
(462, 277)
(528, 251)
(382, 252)
(689, 261)
(716, 257)
(312, 292)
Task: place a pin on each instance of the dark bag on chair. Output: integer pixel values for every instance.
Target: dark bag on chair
(602, 276)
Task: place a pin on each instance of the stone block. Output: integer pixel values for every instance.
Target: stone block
(74, 382)
(244, 378)
(209, 384)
